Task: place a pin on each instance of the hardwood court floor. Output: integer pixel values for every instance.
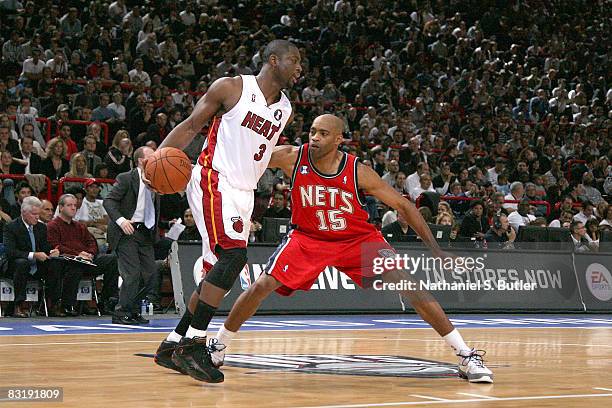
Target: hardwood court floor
(555, 367)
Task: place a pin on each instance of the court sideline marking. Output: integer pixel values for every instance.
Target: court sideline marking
(60, 343)
(482, 399)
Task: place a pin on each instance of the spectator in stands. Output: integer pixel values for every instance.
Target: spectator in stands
(22, 190)
(32, 68)
(72, 238)
(26, 160)
(474, 224)
(606, 222)
(400, 183)
(564, 220)
(28, 250)
(78, 167)
(500, 235)
(65, 135)
(278, 209)
(392, 170)
(521, 216)
(191, 232)
(118, 107)
(592, 230)
(590, 192)
(580, 237)
(118, 159)
(7, 164)
(502, 185)
(55, 165)
(89, 153)
(399, 231)
(586, 213)
(46, 211)
(6, 143)
(442, 181)
(414, 180)
(101, 172)
(93, 215)
(517, 192)
(445, 218)
(103, 113)
(425, 185)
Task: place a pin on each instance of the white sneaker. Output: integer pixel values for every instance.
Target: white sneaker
(472, 368)
(217, 352)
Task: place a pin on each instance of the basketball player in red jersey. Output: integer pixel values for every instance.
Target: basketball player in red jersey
(251, 112)
(332, 229)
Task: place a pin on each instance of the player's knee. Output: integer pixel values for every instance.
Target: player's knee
(264, 286)
(227, 268)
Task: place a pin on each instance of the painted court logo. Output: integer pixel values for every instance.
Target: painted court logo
(599, 281)
(345, 364)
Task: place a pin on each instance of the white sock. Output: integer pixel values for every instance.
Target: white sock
(174, 336)
(455, 340)
(191, 333)
(225, 336)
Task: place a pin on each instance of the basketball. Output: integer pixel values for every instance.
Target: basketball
(168, 170)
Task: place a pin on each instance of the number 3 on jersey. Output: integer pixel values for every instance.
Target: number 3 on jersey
(336, 223)
(259, 155)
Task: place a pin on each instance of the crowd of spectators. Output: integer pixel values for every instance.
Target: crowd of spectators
(483, 101)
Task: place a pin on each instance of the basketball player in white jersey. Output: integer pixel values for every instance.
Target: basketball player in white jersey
(237, 151)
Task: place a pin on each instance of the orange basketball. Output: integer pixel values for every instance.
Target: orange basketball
(168, 170)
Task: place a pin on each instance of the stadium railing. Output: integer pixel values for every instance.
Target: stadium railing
(63, 180)
(23, 177)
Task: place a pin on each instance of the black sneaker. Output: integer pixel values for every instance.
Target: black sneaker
(193, 356)
(139, 319)
(124, 318)
(163, 356)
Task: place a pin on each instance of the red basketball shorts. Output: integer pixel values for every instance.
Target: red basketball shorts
(299, 259)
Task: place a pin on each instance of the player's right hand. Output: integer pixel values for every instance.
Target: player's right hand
(127, 227)
(144, 178)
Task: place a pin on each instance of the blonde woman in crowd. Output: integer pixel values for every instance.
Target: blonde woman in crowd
(78, 168)
(55, 166)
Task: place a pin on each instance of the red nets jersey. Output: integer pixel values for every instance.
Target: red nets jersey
(328, 207)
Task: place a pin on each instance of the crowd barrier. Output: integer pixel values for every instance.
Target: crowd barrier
(48, 193)
(539, 281)
(64, 180)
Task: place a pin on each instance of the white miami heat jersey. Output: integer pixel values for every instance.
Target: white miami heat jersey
(240, 143)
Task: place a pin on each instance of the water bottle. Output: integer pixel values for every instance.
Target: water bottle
(143, 307)
(150, 309)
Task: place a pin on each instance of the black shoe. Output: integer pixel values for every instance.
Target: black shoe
(163, 356)
(109, 305)
(139, 319)
(193, 356)
(71, 311)
(124, 318)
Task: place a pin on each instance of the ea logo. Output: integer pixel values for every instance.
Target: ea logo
(599, 281)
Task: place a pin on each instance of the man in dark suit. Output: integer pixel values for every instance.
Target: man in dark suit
(132, 232)
(26, 161)
(28, 251)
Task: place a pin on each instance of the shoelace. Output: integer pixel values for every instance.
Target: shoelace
(214, 345)
(476, 356)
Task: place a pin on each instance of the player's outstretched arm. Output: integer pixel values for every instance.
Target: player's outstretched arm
(369, 181)
(284, 157)
(223, 93)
